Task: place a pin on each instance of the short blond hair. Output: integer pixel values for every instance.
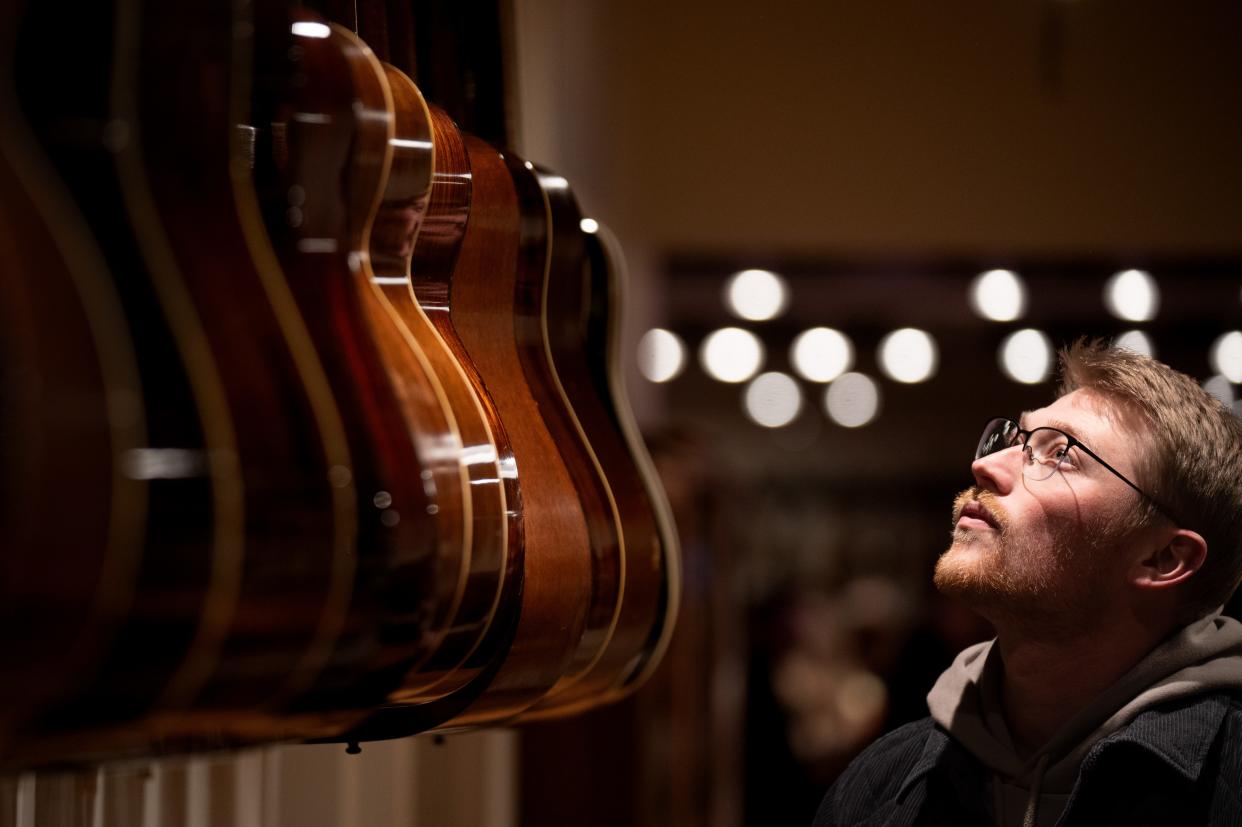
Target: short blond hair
(1192, 464)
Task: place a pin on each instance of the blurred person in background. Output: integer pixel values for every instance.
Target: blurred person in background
(1101, 539)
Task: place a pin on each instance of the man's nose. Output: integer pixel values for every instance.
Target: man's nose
(998, 471)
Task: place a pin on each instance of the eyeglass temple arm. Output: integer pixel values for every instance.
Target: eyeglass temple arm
(1123, 478)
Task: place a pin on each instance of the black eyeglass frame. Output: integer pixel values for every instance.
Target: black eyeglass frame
(1071, 442)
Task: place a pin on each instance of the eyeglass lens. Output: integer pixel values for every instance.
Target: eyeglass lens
(1043, 450)
(998, 435)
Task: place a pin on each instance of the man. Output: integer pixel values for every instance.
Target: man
(1101, 538)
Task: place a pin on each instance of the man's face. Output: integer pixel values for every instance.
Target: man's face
(1046, 553)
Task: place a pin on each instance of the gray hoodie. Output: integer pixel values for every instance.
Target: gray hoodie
(1032, 791)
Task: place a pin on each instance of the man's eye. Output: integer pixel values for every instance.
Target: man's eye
(1062, 453)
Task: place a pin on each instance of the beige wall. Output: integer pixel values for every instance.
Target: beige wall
(881, 126)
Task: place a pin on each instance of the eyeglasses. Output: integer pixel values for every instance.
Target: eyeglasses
(1044, 451)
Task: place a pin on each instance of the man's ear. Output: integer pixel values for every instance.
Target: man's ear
(1171, 563)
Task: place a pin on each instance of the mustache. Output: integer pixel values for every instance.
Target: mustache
(987, 500)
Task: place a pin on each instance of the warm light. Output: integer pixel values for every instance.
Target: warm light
(908, 355)
(1132, 295)
(1220, 387)
(757, 295)
(1136, 341)
(1026, 356)
(1226, 356)
(306, 29)
(589, 225)
(773, 399)
(821, 354)
(731, 354)
(852, 400)
(998, 295)
(661, 355)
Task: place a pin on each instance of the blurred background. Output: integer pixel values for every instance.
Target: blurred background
(854, 232)
(952, 191)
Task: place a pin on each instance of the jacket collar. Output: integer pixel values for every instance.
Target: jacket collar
(1180, 736)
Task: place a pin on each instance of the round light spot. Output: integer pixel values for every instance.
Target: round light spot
(852, 400)
(589, 225)
(731, 354)
(1221, 388)
(908, 355)
(1132, 295)
(773, 399)
(998, 295)
(1026, 356)
(756, 295)
(821, 354)
(339, 476)
(1136, 341)
(661, 355)
(1226, 356)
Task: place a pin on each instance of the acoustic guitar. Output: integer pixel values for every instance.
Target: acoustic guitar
(605, 264)
(186, 193)
(535, 316)
(545, 617)
(71, 411)
(567, 299)
(496, 552)
(182, 481)
(472, 297)
(320, 169)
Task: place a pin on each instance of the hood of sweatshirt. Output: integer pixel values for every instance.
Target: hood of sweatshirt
(1203, 657)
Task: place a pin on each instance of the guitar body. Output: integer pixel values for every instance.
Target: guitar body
(531, 324)
(268, 641)
(327, 151)
(70, 412)
(495, 553)
(476, 307)
(606, 277)
(566, 313)
(191, 535)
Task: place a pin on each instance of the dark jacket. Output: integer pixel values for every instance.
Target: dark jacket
(1178, 764)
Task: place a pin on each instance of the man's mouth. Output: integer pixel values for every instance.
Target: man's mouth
(975, 515)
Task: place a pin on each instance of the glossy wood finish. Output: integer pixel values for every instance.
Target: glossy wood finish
(441, 235)
(478, 304)
(566, 297)
(320, 175)
(70, 411)
(269, 639)
(531, 323)
(184, 459)
(605, 265)
(393, 236)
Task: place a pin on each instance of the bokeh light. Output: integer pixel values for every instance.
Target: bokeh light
(852, 400)
(1221, 388)
(731, 354)
(661, 355)
(998, 295)
(908, 355)
(1136, 341)
(773, 399)
(1226, 355)
(756, 295)
(821, 354)
(1026, 356)
(1132, 295)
